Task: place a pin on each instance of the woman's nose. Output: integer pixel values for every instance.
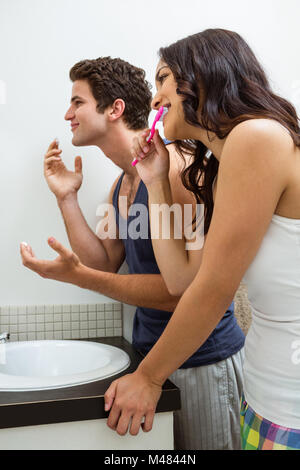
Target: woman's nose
(155, 103)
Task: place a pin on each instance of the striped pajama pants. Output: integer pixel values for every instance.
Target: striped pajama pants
(209, 418)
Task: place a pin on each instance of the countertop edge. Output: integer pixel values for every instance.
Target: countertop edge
(76, 403)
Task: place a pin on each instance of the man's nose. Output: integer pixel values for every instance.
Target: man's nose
(69, 114)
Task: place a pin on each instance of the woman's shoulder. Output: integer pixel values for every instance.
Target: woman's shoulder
(260, 137)
(253, 129)
(263, 144)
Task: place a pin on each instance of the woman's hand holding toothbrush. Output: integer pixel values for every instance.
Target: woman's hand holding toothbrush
(153, 158)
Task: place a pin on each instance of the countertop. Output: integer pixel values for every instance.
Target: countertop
(81, 402)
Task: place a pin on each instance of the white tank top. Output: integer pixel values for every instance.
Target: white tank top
(272, 347)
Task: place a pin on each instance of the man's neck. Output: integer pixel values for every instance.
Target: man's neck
(117, 147)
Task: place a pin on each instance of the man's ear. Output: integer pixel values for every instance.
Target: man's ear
(117, 109)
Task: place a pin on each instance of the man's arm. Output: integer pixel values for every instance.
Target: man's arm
(107, 255)
(141, 290)
(144, 290)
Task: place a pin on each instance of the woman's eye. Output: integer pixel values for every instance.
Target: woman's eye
(161, 78)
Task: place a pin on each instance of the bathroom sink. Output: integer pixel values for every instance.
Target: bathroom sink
(41, 365)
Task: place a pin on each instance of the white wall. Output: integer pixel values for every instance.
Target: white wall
(40, 41)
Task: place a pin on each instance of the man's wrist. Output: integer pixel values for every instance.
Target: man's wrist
(68, 199)
(81, 275)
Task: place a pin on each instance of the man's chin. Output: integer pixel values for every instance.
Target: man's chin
(77, 142)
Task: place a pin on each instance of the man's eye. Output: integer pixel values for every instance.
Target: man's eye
(78, 102)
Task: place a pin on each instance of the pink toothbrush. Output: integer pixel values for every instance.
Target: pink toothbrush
(159, 116)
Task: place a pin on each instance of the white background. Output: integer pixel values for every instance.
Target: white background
(40, 41)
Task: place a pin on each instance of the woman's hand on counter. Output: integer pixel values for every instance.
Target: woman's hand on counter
(132, 398)
(66, 267)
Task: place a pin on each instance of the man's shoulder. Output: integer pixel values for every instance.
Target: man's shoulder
(114, 186)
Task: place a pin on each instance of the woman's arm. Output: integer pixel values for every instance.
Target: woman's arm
(252, 177)
(178, 255)
(172, 207)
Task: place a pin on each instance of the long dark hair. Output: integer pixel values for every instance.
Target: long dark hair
(217, 70)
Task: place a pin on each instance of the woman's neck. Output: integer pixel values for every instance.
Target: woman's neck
(212, 142)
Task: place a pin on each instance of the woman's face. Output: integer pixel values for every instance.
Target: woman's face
(175, 126)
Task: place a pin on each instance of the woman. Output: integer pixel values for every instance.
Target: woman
(219, 99)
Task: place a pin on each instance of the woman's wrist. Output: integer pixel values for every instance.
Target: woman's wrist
(159, 192)
(152, 373)
(160, 182)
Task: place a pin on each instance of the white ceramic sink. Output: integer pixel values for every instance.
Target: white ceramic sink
(38, 365)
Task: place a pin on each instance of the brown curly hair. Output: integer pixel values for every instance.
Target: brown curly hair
(111, 79)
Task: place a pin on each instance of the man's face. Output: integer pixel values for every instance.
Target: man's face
(87, 124)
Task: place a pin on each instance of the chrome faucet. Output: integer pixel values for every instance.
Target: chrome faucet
(4, 337)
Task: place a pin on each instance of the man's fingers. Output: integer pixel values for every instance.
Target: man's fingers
(51, 160)
(78, 165)
(52, 152)
(26, 250)
(29, 259)
(27, 253)
(30, 251)
(53, 145)
(59, 248)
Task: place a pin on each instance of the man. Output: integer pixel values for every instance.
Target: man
(110, 104)
(99, 116)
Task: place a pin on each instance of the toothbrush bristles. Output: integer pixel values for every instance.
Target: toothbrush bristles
(163, 113)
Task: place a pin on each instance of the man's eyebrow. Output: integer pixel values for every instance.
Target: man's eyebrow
(76, 97)
(157, 74)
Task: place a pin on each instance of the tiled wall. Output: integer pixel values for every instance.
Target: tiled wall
(36, 322)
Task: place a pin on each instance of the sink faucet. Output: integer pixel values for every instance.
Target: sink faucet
(4, 337)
